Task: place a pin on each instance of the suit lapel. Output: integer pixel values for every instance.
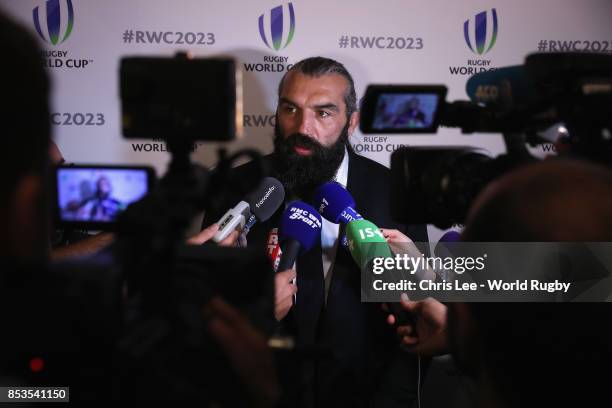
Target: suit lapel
(311, 292)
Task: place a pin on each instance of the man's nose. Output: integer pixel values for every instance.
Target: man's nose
(305, 124)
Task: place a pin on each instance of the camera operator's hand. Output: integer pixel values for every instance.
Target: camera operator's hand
(284, 290)
(429, 337)
(246, 349)
(209, 232)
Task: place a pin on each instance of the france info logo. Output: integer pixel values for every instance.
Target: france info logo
(277, 16)
(54, 21)
(480, 31)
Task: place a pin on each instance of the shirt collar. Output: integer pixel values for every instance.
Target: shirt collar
(342, 172)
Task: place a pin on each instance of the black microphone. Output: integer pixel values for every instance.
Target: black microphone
(258, 205)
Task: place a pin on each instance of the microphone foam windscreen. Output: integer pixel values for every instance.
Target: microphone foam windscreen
(331, 199)
(488, 86)
(442, 249)
(365, 242)
(266, 199)
(450, 236)
(302, 223)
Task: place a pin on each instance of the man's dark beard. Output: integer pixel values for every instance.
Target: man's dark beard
(301, 175)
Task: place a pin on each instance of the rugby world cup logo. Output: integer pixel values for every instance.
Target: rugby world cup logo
(480, 32)
(277, 27)
(59, 21)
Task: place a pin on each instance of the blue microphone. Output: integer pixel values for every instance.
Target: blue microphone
(450, 236)
(300, 227)
(442, 250)
(336, 205)
(510, 85)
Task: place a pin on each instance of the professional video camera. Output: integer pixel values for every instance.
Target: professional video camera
(163, 345)
(436, 185)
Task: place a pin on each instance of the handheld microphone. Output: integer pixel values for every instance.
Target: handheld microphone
(273, 249)
(366, 242)
(336, 205)
(233, 219)
(258, 205)
(450, 236)
(509, 85)
(442, 251)
(299, 230)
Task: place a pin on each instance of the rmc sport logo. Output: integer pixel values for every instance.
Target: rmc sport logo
(480, 31)
(54, 21)
(277, 16)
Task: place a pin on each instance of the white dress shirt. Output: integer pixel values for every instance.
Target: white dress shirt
(330, 231)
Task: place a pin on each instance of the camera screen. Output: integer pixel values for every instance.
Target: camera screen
(98, 195)
(405, 111)
(402, 109)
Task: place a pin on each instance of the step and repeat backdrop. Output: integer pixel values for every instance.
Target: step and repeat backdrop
(387, 41)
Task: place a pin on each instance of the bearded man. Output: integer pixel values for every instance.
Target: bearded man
(359, 363)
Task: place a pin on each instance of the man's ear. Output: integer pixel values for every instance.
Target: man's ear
(353, 122)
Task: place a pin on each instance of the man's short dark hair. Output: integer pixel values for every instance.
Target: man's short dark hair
(24, 107)
(318, 66)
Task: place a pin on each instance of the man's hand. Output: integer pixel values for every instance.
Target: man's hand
(401, 244)
(394, 236)
(85, 247)
(429, 337)
(284, 290)
(246, 349)
(209, 232)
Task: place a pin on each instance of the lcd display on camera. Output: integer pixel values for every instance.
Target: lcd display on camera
(405, 111)
(402, 109)
(98, 194)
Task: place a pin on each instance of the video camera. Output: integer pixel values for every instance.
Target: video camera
(166, 284)
(436, 185)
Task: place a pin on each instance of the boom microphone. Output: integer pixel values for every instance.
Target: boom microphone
(259, 205)
(508, 85)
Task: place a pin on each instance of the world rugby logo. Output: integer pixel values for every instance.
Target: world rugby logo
(59, 21)
(275, 34)
(481, 32)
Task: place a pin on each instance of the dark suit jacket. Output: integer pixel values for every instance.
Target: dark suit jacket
(364, 366)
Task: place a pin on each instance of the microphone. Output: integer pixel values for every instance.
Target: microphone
(336, 205)
(259, 205)
(366, 242)
(493, 86)
(442, 251)
(273, 248)
(299, 229)
(450, 236)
